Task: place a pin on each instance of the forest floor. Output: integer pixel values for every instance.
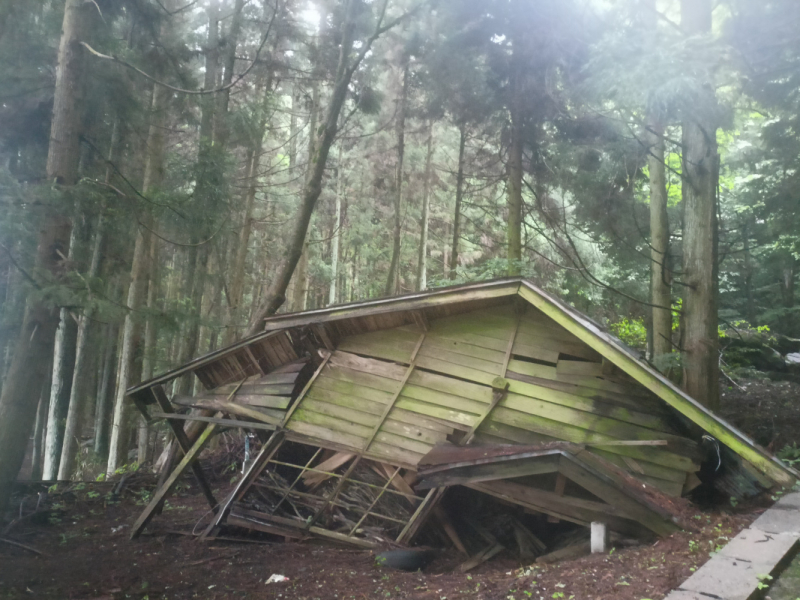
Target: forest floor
(82, 536)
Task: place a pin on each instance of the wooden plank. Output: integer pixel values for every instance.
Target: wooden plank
(448, 368)
(448, 385)
(608, 492)
(398, 351)
(463, 324)
(585, 420)
(306, 387)
(223, 422)
(362, 379)
(392, 454)
(570, 433)
(188, 459)
(418, 518)
(334, 424)
(400, 385)
(589, 405)
(280, 402)
(376, 408)
(340, 387)
(444, 336)
(463, 348)
(443, 399)
(324, 434)
(333, 410)
(580, 368)
(437, 355)
(183, 441)
(460, 420)
(367, 365)
(489, 472)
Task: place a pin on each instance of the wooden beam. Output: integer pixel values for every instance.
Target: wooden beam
(189, 458)
(218, 421)
(267, 451)
(400, 386)
(304, 391)
(183, 441)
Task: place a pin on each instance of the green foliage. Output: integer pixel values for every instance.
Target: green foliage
(631, 331)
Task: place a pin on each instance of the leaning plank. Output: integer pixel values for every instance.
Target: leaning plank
(264, 455)
(183, 441)
(490, 472)
(481, 557)
(218, 421)
(165, 489)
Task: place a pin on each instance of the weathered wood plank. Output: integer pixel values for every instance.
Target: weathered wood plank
(218, 421)
(580, 368)
(386, 349)
(472, 363)
(448, 385)
(489, 472)
(460, 420)
(595, 407)
(465, 348)
(188, 459)
(445, 400)
(570, 433)
(281, 402)
(448, 368)
(361, 378)
(367, 365)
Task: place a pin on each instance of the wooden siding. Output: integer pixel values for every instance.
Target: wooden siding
(395, 394)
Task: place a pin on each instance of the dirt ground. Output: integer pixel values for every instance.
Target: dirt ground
(768, 411)
(82, 533)
(86, 554)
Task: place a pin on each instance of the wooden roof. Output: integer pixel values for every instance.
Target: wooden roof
(288, 336)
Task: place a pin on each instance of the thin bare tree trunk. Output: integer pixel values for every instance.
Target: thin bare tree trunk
(700, 176)
(660, 279)
(38, 433)
(422, 261)
(514, 169)
(337, 229)
(462, 129)
(276, 295)
(71, 442)
(20, 395)
(130, 367)
(393, 280)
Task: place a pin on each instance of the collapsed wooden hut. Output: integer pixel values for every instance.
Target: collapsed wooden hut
(370, 412)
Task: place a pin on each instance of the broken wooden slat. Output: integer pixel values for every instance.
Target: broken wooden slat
(188, 459)
(218, 421)
(183, 442)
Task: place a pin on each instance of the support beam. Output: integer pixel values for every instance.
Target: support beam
(158, 497)
(183, 441)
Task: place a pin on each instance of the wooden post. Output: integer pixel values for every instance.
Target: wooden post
(180, 435)
(162, 492)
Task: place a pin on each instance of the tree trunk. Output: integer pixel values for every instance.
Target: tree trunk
(514, 170)
(422, 261)
(38, 433)
(337, 231)
(276, 295)
(20, 395)
(229, 43)
(660, 278)
(130, 367)
(700, 176)
(393, 280)
(71, 443)
(60, 386)
(462, 129)
(105, 394)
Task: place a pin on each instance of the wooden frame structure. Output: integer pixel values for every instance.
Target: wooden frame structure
(501, 362)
